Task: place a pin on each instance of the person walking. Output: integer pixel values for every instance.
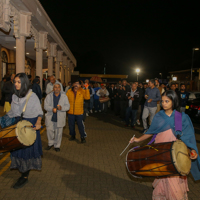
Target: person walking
(163, 126)
(56, 104)
(50, 85)
(157, 84)
(97, 106)
(8, 90)
(152, 95)
(36, 88)
(184, 96)
(76, 96)
(133, 105)
(102, 93)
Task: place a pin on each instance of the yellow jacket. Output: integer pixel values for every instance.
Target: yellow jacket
(76, 104)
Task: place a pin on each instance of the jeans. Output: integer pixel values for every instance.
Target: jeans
(80, 123)
(91, 103)
(97, 104)
(145, 114)
(131, 114)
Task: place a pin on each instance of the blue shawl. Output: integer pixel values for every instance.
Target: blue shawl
(161, 122)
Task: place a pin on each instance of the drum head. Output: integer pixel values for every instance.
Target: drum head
(25, 135)
(181, 158)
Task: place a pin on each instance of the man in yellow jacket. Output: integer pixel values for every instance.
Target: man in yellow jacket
(76, 96)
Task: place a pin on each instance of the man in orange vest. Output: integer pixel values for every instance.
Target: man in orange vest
(76, 96)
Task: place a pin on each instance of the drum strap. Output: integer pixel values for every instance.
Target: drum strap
(178, 124)
(24, 109)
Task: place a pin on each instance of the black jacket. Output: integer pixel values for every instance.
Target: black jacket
(8, 90)
(136, 101)
(111, 93)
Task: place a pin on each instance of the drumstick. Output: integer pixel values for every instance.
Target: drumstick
(126, 147)
(30, 127)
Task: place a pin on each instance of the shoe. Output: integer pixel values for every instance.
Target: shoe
(57, 149)
(87, 115)
(83, 140)
(95, 111)
(48, 147)
(72, 138)
(99, 110)
(132, 126)
(20, 183)
(126, 125)
(138, 122)
(144, 131)
(91, 111)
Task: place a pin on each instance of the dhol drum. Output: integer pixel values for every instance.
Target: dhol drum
(159, 160)
(17, 136)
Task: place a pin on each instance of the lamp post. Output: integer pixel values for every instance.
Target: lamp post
(137, 71)
(193, 49)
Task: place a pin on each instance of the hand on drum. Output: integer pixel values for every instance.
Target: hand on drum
(193, 154)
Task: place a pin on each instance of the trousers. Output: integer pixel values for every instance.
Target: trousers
(80, 123)
(145, 114)
(54, 135)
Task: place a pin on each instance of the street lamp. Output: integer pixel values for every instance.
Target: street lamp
(193, 49)
(160, 75)
(137, 71)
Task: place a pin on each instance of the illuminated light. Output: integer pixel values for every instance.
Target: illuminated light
(196, 49)
(27, 53)
(15, 47)
(174, 78)
(147, 80)
(137, 70)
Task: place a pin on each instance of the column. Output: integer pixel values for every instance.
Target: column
(39, 64)
(62, 74)
(57, 69)
(66, 75)
(20, 54)
(50, 65)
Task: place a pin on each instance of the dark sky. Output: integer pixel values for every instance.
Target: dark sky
(156, 36)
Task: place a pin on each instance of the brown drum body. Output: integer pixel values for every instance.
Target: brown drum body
(17, 136)
(158, 160)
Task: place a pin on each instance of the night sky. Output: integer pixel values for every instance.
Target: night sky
(155, 36)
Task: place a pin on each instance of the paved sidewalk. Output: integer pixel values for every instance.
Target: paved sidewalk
(93, 170)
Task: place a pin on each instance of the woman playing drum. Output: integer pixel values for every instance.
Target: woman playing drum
(172, 187)
(30, 157)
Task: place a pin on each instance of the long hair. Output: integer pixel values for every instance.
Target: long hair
(25, 85)
(171, 94)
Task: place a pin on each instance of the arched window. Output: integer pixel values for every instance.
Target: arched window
(4, 57)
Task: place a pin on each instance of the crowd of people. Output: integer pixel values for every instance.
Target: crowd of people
(133, 102)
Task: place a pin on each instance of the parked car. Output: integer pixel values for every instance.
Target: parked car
(194, 95)
(193, 109)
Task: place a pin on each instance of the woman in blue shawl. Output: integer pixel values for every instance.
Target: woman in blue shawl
(163, 124)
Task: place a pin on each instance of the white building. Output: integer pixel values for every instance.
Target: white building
(30, 42)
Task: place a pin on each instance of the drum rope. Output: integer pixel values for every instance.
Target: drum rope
(7, 133)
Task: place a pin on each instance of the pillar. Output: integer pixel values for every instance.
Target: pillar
(66, 75)
(20, 54)
(57, 69)
(39, 64)
(50, 65)
(62, 74)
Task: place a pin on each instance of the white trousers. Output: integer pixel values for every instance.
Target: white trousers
(54, 135)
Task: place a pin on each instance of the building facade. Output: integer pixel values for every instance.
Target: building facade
(30, 42)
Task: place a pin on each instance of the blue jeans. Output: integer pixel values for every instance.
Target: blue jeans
(80, 123)
(91, 103)
(131, 114)
(97, 104)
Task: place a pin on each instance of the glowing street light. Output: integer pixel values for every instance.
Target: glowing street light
(193, 49)
(137, 71)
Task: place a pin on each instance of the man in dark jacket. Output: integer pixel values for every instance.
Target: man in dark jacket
(36, 88)
(123, 100)
(184, 96)
(8, 90)
(133, 105)
(117, 100)
(111, 91)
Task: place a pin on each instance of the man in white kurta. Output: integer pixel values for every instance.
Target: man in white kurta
(56, 104)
